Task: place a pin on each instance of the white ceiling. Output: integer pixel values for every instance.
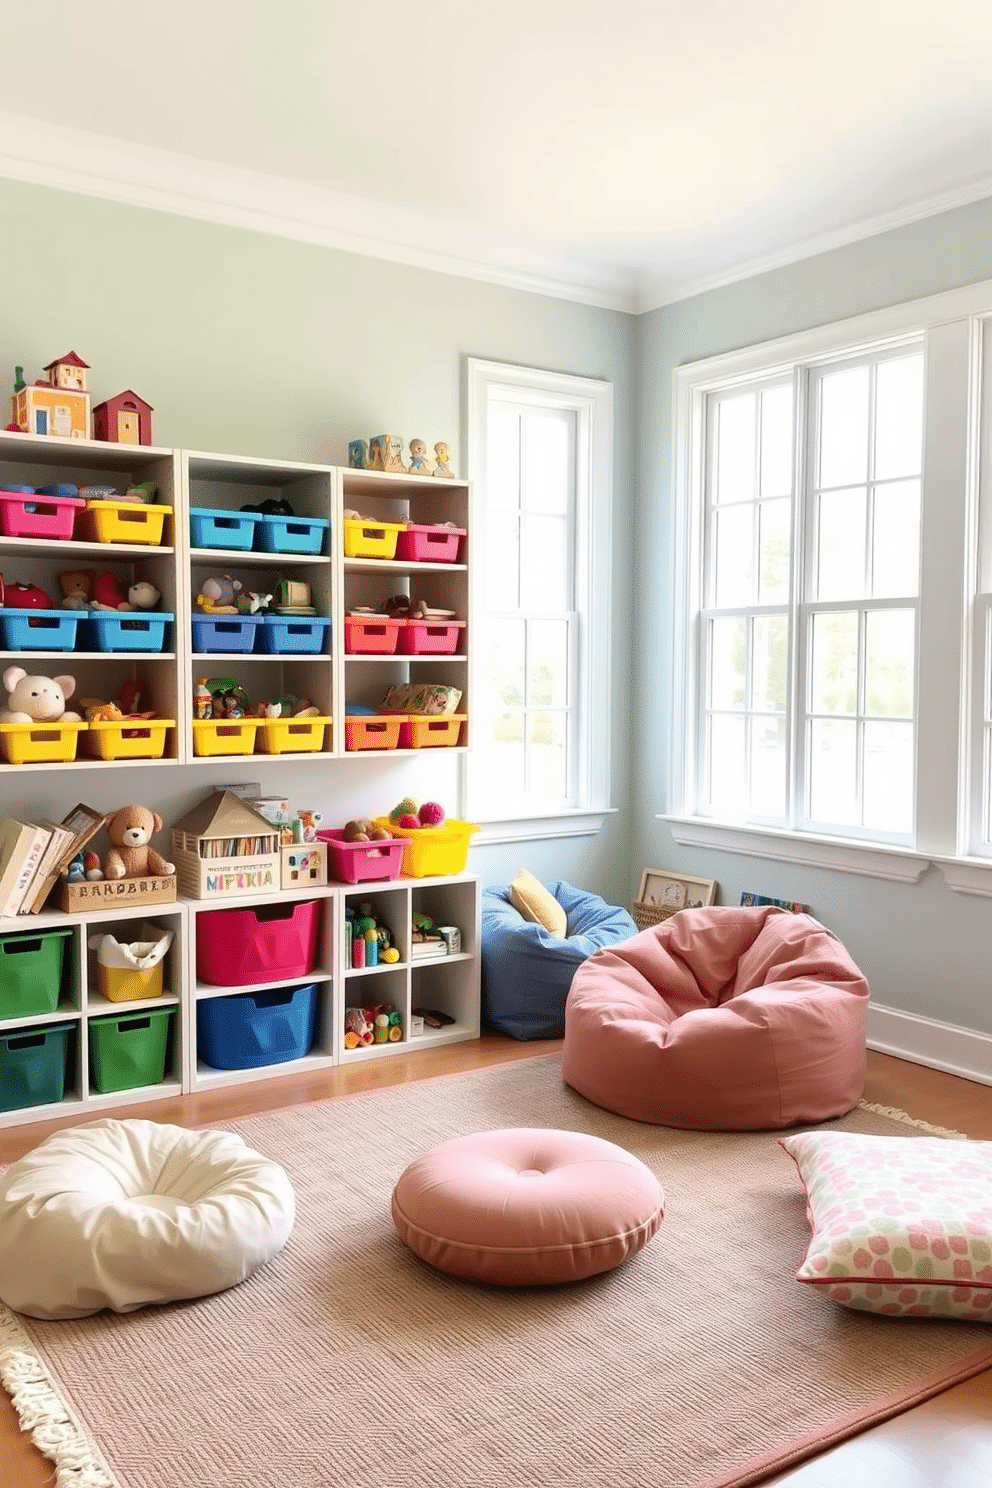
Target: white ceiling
(621, 152)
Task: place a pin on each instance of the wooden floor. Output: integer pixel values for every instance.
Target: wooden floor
(946, 1443)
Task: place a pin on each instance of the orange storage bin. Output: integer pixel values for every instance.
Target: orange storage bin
(428, 730)
(372, 634)
(365, 732)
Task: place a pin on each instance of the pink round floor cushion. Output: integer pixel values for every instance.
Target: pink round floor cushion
(527, 1206)
(720, 1020)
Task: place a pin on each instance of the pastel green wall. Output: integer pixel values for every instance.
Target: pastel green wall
(256, 345)
(924, 949)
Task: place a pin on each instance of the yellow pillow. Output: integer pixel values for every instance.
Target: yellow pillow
(534, 902)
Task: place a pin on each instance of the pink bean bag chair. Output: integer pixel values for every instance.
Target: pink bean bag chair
(720, 1020)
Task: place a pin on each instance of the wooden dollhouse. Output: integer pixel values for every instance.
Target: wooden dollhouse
(58, 405)
(125, 419)
(224, 848)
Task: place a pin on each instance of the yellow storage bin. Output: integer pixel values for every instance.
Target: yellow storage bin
(371, 539)
(225, 735)
(142, 738)
(120, 985)
(123, 522)
(292, 735)
(431, 852)
(39, 743)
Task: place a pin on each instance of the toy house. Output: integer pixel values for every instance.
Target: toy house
(58, 406)
(224, 848)
(125, 419)
(68, 371)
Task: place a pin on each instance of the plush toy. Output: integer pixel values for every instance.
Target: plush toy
(130, 830)
(17, 596)
(107, 594)
(272, 506)
(37, 699)
(77, 588)
(218, 595)
(143, 596)
(407, 807)
(431, 814)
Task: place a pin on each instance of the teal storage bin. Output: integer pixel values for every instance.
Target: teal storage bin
(31, 973)
(33, 1064)
(129, 1050)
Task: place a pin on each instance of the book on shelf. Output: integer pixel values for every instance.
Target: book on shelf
(79, 827)
(47, 874)
(24, 844)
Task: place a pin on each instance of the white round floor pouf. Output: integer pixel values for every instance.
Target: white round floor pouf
(121, 1214)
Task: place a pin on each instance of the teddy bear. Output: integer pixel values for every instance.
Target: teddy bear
(143, 595)
(130, 831)
(37, 699)
(77, 589)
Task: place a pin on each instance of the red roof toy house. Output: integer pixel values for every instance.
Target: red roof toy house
(126, 419)
(68, 371)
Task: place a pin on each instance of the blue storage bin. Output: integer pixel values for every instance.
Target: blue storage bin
(39, 630)
(33, 1063)
(251, 1029)
(291, 534)
(225, 632)
(214, 527)
(286, 634)
(127, 630)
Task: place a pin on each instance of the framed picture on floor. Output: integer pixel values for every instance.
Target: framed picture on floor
(664, 888)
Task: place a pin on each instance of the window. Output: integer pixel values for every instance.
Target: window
(832, 669)
(540, 462)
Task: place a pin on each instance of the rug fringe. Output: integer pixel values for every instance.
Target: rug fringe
(44, 1415)
(894, 1114)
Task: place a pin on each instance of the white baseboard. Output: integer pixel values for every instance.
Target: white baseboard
(958, 1051)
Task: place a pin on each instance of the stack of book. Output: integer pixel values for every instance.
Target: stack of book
(34, 854)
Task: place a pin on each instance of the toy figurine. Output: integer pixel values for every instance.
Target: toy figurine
(443, 467)
(358, 454)
(386, 453)
(420, 461)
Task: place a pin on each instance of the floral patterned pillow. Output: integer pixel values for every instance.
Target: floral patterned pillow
(900, 1225)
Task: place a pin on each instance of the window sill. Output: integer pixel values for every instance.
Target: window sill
(840, 854)
(537, 828)
(967, 875)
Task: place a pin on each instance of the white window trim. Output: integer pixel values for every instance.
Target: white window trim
(962, 873)
(592, 401)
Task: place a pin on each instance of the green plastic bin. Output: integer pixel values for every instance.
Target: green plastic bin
(130, 1050)
(31, 973)
(33, 1063)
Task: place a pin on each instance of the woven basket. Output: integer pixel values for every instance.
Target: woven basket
(646, 915)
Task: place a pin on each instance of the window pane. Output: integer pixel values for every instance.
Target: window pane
(505, 662)
(735, 448)
(840, 553)
(546, 579)
(734, 556)
(728, 660)
(833, 772)
(548, 664)
(547, 462)
(776, 442)
(898, 417)
(834, 667)
(888, 776)
(844, 427)
(774, 550)
(503, 562)
(547, 758)
(890, 651)
(727, 765)
(768, 766)
(503, 458)
(770, 663)
(896, 540)
(504, 755)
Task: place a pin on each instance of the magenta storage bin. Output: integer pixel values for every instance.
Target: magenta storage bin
(357, 862)
(418, 544)
(39, 630)
(264, 943)
(434, 637)
(38, 516)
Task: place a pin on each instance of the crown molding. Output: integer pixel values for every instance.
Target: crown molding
(42, 154)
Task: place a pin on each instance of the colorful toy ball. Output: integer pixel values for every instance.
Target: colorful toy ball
(407, 807)
(409, 821)
(431, 814)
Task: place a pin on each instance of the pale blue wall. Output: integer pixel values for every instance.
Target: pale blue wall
(924, 949)
(255, 345)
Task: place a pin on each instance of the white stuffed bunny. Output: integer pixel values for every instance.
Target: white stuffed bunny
(37, 699)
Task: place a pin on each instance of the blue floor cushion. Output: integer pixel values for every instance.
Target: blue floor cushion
(527, 970)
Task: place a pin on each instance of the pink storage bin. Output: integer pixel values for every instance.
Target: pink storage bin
(357, 862)
(23, 515)
(264, 943)
(418, 544)
(440, 637)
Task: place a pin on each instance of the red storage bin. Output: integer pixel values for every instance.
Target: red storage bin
(439, 637)
(372, 634)
(418, 544)
(357, 862)
(262, 943)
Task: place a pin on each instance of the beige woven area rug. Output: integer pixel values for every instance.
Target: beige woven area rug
(348, 1362)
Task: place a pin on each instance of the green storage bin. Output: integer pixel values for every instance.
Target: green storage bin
(130, 1050)
(31, 973)
(33, 1064)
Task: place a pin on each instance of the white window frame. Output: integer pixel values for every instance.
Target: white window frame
(950, 660)
(591, 401)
